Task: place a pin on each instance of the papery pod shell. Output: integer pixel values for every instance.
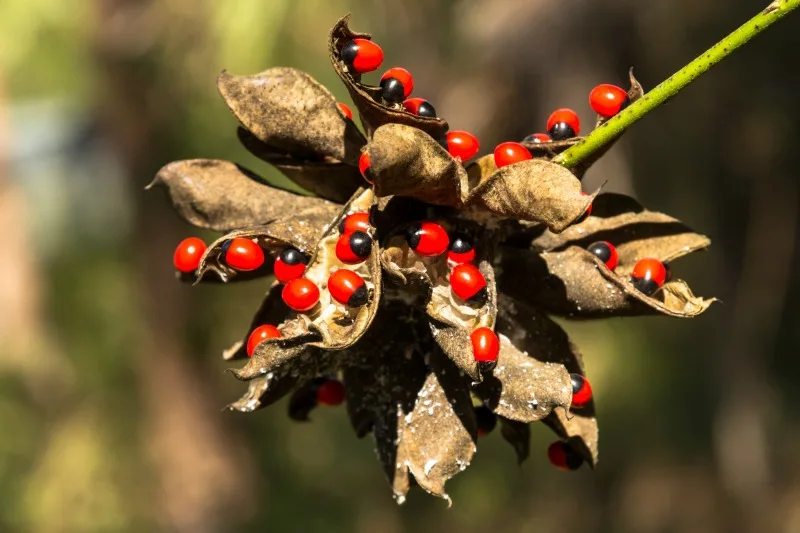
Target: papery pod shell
(222, 196)
(405, 161)
(262, 392)
(576, 284)
(288, 109)
(327, 178)
(329, 325)
(366, 98)
(533, 190)
(518, 435)
(302, 231)
(452, 320)
(545, 341)
(523, 388)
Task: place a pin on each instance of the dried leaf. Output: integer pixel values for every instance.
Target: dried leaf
(405, 161)
(222, 196)
(452, 319)
(328, 179)
(533, 190)
(518, 435)
(575, 284)
(287, 109)
(523, 388)
(545, 341)
(329, 325)
(368, 98)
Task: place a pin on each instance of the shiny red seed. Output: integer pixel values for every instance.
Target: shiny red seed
(354, 247)
(362, 55)
(567, 116)
(607, 100)
(649, 269)
(260, 334)
(363, 165)
(345, 109)
(355, 222)
(562, 456)
(539, 138)
(244, 255)
(419, 107)
(188, 253)
(509, 153)
(428, 239)
(462, 144)
(581, 391)
(606, 252)
(348, 288)
(403, 76)
(466, 281)
(285, 272)
(485, 345)
(457, 258)
(300, 294)
(331, 392)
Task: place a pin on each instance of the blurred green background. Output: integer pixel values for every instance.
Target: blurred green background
(111, 383)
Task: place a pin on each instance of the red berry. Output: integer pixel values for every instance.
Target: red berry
(606, 252)
(607, 100)
(537, 138)
(363, 166)
(354, 222)
(419, 107)
(461, 250)
(188, 253)
(353, 247)
(362, 55)
(462, 144)
(348, 288)
(330, 392)
(396, 85)
(485, 345)
(427, 239)
(509, 153)
(563, 124)
(468, 283)
(345, 109)
(581, 391)
(300, 294)
(290, 264)
(648, 275)
(562, 456)
(244, 254)
(260, 334)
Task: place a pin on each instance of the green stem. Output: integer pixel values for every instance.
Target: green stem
(614, 127)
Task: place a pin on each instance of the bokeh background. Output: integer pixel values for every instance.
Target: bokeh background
(111, 381)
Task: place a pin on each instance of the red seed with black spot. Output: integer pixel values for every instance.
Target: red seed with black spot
(648, 275)
(260, 334)
(345, 109)
(486, 420)
(363, 166)
(461, 250)
(581, 391)
(188, 254)
(300, 294)
(462, 144)
(537, 138)
(509, 153)
(562, 456)
(355, 222)
(362, 55)
(606, 252)
(419, 107)
(353, 247)
(348, 288)
(427, 239)
(243, 254)
(290, 264)
(485, 345)
(563, 124)
(607, 100)
(331, 392)
(396, 85)
(468, 283)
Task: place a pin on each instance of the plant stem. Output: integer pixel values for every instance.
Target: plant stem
(614, 127)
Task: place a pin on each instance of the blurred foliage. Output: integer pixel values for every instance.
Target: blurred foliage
(110, 381)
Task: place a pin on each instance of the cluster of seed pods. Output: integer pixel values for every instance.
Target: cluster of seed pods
(426, 239)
